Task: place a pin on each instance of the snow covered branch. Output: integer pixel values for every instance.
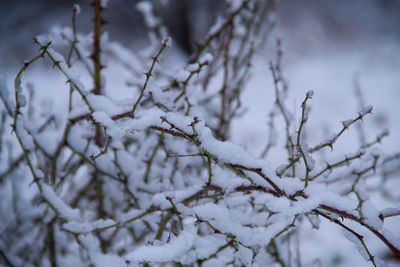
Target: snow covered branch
(141, 169)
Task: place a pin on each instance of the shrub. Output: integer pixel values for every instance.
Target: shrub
(140, 170)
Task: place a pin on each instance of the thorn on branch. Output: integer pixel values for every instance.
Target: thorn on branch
(55, 63)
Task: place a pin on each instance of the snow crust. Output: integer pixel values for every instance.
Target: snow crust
(170, 251)
(76, 8)
(64, 210)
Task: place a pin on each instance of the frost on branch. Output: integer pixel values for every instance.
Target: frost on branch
(144, 171)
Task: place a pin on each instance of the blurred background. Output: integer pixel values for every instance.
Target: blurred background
(308, 27)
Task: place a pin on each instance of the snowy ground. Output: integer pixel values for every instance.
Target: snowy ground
(331, 74)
